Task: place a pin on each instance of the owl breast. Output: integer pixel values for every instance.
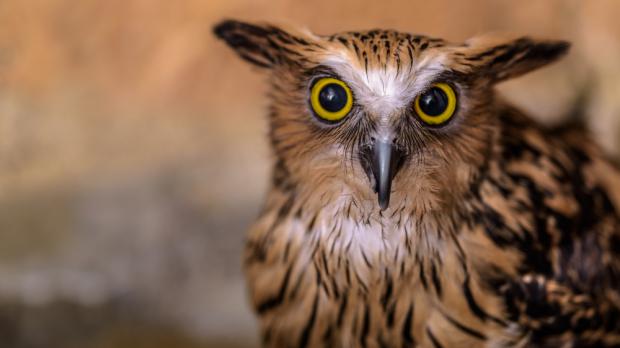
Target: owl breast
(345, 277)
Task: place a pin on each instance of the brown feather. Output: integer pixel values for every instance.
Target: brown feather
(499, 232)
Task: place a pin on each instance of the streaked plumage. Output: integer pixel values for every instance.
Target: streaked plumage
(499, 232)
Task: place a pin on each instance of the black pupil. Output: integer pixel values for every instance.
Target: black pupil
(434, 102)
(333, 97)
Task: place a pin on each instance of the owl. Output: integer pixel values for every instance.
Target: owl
(411, 206)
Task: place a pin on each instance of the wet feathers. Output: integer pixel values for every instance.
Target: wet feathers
(499, 232)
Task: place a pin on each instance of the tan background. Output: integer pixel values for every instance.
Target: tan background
(133, 153)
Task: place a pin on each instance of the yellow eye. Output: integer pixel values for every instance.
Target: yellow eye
(331, 99)
(437, 105)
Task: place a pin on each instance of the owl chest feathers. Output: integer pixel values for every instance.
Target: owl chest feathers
(345, 275)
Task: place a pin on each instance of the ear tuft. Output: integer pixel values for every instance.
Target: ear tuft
(263, 45)
(247, 40)
(230, 29)
(224, 27)
(501, 60)
(548, 51)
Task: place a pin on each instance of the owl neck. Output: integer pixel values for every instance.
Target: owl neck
(345, 219)
(340, 216)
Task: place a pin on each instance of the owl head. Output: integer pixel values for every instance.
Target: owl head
(378, 116)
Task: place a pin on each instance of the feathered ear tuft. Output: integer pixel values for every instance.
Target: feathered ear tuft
(262, 45)
(504, 59)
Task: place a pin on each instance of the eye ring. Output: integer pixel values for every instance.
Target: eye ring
(437, 105)
(331, 99)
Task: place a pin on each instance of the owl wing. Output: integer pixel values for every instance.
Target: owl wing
(569, 289)
(555, 314)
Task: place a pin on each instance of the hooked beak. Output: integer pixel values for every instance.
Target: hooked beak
(382, 160)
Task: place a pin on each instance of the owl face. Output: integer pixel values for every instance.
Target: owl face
(382, 115)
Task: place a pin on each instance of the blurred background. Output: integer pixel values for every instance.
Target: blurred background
(133, 152)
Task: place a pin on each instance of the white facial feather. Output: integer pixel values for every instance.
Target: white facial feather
(385, 91)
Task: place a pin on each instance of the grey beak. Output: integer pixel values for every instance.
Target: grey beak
(386, 160)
